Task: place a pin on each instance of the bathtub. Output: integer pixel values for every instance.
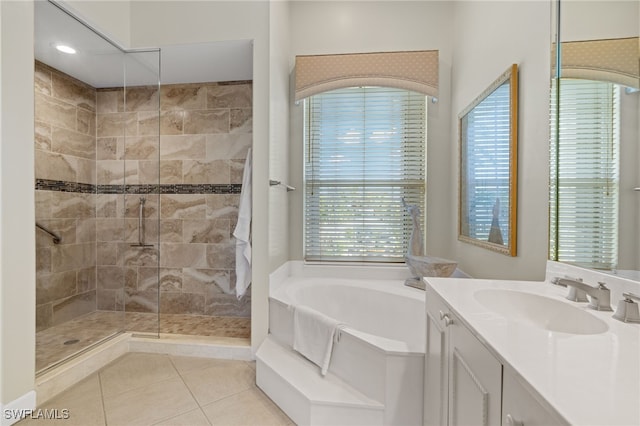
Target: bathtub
(380, 351)
(385, 314)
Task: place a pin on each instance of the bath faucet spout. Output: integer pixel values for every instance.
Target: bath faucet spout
(600, 296)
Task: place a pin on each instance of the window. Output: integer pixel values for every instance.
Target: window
(585, 174)
(364, 153)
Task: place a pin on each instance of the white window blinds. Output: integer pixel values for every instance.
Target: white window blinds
(364, 153)
(487, 158)
(585, 173)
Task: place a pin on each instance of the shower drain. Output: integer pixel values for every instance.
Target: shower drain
(71, 342)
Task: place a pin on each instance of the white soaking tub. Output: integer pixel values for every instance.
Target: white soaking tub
(378, 355)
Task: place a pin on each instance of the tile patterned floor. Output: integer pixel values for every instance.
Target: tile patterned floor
(156, 389)
(88, 329)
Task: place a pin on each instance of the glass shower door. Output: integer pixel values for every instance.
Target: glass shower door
(79, 286)
(141, 192)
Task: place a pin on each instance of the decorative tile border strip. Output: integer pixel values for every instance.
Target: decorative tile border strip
(64, 186)
(174, 188)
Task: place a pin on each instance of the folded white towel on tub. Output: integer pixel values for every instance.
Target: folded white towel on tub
(313, 335)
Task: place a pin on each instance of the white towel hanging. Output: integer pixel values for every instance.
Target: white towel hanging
(242, 232)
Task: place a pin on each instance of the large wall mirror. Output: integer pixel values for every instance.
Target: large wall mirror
(488, 130)
(595, 136)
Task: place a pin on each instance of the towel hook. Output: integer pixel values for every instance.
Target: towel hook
(277, 182)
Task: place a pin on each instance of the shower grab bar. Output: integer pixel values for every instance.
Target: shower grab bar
(56, 239)
(141, 227)
(277, 182)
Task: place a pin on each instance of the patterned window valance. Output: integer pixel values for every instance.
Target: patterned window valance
(415, 70)
(613, 60)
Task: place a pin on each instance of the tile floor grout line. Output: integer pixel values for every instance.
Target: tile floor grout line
(211, 415)
(136, 389)
(219, 399)
(189, 389)
(252, 386)
(115, 361)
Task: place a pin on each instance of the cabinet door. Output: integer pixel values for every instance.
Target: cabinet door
(475, 380)
(436, 367)
(521, 408)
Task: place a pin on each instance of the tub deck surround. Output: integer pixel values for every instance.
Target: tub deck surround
(306, 396)
(375, 373)
(589, 379)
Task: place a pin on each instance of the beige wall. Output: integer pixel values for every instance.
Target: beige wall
(489, 37)
(351, 27)
(17, 232)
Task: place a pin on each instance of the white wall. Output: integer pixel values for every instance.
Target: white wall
(162, 23)
(112, 18)
(279, 133)
(603, 19)
(489, 37)
(17, 230)
(368, 26)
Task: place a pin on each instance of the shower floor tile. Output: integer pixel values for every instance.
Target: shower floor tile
(61, 341)
(171, 398)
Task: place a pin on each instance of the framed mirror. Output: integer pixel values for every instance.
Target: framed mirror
(488, 130)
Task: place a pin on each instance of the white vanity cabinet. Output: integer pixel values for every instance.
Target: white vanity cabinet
(436, 368)
(465, 384)
(463, 380)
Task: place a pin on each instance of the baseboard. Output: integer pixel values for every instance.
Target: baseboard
(18, 409)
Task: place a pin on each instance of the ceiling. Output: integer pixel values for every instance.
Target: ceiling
(101, 64)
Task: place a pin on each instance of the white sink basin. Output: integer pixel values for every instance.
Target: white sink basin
(543, 312)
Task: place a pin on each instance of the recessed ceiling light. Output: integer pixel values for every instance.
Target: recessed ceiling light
(66, 49)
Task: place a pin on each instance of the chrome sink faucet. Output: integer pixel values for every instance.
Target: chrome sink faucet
(600, 296)
(575, 294)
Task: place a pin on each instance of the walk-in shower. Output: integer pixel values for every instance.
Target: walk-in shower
(137, 190)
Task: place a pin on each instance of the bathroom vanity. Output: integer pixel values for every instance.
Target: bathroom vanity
(519, 353)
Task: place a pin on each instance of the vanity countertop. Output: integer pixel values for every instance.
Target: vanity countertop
(588, 379)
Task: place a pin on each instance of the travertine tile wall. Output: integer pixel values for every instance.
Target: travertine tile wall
(65, 144)
(206, 130)
(127, 148)
(82, 137)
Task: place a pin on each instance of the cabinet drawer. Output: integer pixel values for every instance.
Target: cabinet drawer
(522, 408)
